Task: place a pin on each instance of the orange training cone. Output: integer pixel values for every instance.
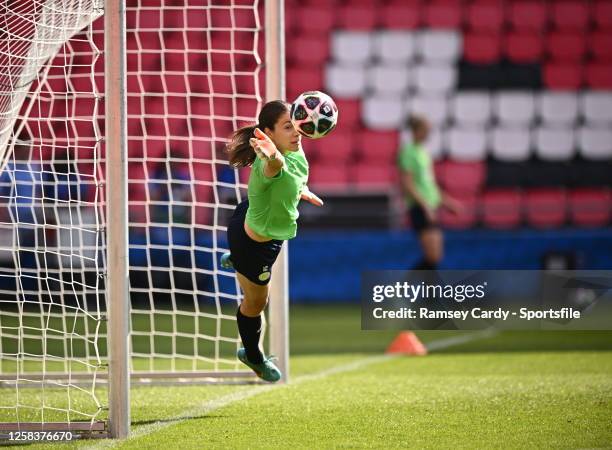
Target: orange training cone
(407, 343)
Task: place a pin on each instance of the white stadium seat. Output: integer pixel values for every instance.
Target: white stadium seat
(433, 108)
(439, 46)
(514, 108)
(380, 112)
(389, 79)
(345, 81)
(351, 47)
(555, 143)
(466, 144)
(394, 47)
(597, 107)
(595, 142)
(510, 144)
(558, 108)
(471, 108)
(435, 79)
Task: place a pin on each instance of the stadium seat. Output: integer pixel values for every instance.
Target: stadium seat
(510, 144)
(383, 112)
(555, 143)
(557, 108)
(351, 47)
(467, 216)
(485, 16)
(566, 47)
(590, 207)
(438, 46)
(480, 48)
(596, 107)
(599, 76)
(383, 175)
(471, 108)
(401, 15)
(435, 79)
(514, 108)
(595, 143)
(571, 15)
(433, 107)
(601, 46)
(315, 19)
(328, 175)
(351, 112)
(523, 47)
(546, 208)
(528, 15)
(501, 208)
(358, 17)
(389, 79)
(394, 47)
(602, 14)
(563, 76)
(466, 144)
(345, 81)
(340, 143)
(307, 50)
(462, 177)
(303, 78)
(378, 147)
(479, 76)
(442, 14)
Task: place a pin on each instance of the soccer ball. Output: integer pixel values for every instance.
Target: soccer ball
(314, 114)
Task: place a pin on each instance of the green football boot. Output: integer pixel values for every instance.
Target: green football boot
(226, 261)
(267, 370)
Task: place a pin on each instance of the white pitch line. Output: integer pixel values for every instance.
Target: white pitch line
(221, 402)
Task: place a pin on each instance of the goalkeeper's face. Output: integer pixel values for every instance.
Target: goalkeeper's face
(284, 135)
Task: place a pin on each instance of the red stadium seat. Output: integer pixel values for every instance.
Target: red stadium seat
(339, 144)
(601, 46)
(563, 76)
(602, 14)
(401, 15)
(307, 50)
(528, 15)
(303, 79)
(467, 217)
(378, 147)
(316, 19)
(442, 14)
(599, 76)
(367, 174)
(570, 15)
(485, 16)
(590, 207)
(501, 209)
(481, 48)
(350, 110)
(566, 47)
(523, 47)
(328, 175)
(546, 208)
(462, 177)
(355, 17)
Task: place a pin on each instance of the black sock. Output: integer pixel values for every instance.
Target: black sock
(425, 265)
(250, 331)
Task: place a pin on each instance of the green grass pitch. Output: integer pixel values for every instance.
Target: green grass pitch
(511, 390)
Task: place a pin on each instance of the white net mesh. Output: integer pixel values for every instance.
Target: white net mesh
(193, 77)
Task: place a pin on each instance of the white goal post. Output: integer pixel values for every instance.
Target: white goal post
(114, 197)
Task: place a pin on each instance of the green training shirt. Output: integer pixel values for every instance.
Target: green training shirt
(414, 158)
(273, 201)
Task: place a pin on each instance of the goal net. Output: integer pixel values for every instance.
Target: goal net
(193, 75)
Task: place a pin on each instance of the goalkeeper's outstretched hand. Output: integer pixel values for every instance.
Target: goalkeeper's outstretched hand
(263, 145)
(310, 197)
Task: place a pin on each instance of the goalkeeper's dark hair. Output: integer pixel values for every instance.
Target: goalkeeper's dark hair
(240, 152)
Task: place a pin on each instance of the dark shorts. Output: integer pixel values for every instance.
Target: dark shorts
(252, 259)
(419, 219)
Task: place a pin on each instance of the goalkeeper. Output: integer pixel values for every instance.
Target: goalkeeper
(259, 225)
